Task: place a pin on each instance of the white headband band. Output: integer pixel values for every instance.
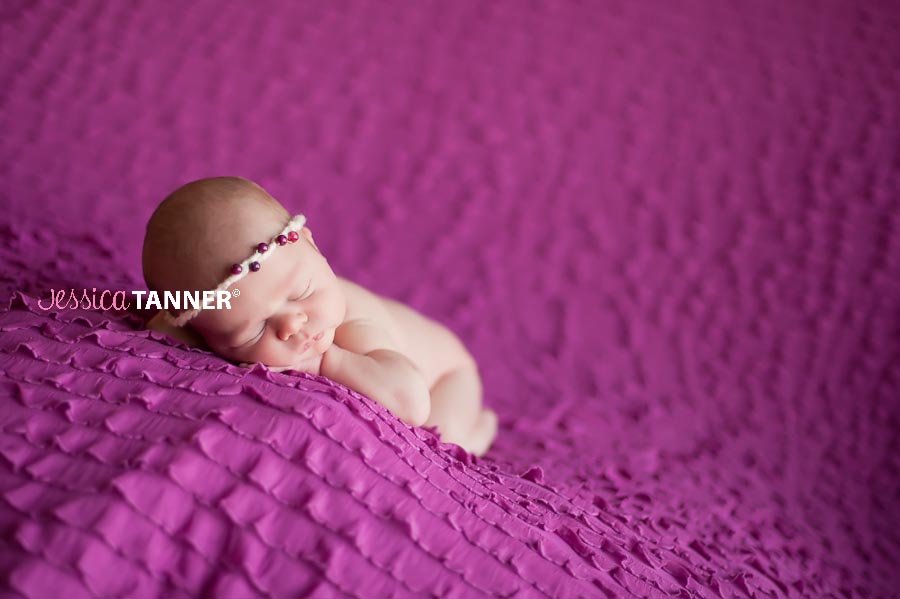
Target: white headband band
(264, 249)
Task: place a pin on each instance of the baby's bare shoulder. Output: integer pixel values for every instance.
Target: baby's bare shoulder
(433, 347)
(368, 325)
(362, 304)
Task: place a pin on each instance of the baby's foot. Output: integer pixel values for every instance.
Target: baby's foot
(482, 434)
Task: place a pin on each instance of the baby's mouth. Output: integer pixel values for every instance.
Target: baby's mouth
(310, 342)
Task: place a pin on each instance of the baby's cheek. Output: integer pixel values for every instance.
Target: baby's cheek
(259, 352)
(243, 354)
(269, 351)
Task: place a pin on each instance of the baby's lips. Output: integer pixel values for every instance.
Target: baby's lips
(319, 336)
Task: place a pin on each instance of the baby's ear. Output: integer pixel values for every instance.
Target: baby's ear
(308, 234)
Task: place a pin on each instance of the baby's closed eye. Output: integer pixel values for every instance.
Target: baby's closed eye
(306, 293)
(252, 340)
(260, 333)
(265, 324)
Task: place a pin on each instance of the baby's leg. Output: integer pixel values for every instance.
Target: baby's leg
(456, 405)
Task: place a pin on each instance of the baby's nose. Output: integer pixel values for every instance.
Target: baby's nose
(290, 324)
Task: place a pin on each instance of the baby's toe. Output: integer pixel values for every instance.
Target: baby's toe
(484, 433)
(490, 422)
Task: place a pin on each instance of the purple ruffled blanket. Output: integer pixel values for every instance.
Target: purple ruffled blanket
(669, 233)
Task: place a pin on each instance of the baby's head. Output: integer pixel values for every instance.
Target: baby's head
(286, 312)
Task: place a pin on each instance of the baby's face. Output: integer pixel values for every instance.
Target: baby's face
(286, 313)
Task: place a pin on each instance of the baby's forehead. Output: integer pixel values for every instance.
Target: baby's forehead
(276, 277)
(228, 241)
(243, 227)
(258, 296)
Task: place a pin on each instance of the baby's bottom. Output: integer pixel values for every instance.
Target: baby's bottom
(457, 413)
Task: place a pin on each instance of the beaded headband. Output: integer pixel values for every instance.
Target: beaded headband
(252, 264)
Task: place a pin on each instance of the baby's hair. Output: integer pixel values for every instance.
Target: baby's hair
(196, 231)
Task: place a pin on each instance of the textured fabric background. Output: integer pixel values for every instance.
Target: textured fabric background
(669, 233)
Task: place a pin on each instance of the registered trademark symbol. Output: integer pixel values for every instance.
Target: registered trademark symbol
(235, 292)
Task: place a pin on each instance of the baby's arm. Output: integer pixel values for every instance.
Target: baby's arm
(365, 358)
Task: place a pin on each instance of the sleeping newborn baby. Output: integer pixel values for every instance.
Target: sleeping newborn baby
(294, 313)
